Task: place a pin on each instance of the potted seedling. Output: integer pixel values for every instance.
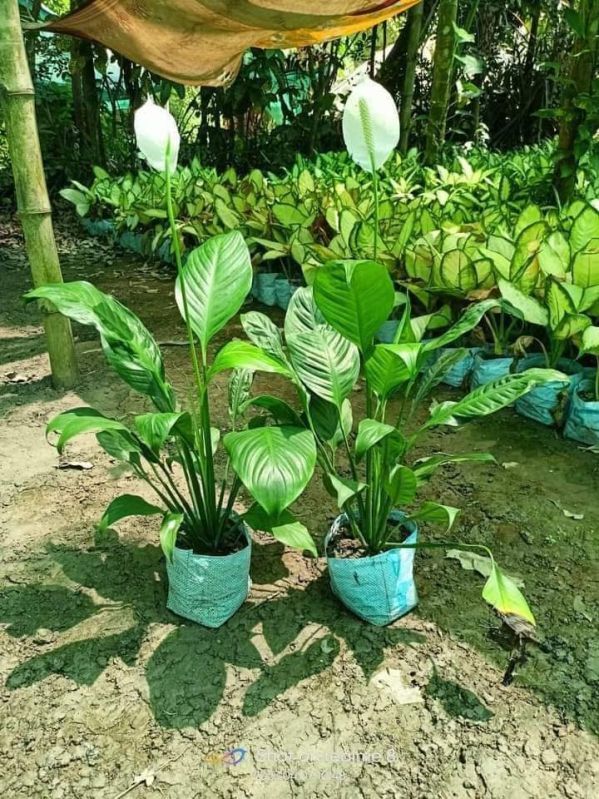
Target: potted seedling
(207, 546)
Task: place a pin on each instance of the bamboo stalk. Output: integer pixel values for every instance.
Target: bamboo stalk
(18, 102)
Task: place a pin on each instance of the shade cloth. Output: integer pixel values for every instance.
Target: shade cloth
(202, 41)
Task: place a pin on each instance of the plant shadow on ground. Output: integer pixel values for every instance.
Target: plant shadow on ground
(132, 578)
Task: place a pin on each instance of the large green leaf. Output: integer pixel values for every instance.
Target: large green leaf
(127, 505)
(280, 410)
(525, 306)
(391, 365)
(274, 463)
(155, 429)
(326, 363)
(355, 297)
(80, 420)
(263, 333)
(590, 340)
(370, 433)
(401, 486)
(493, 396)
(585, 268)
(218, 278)
(123, 446)
(437, 371)
(239, 354)
(584, 229)
(302, 314)
(128, 346)
(168, 533)
(330, 425)
(468, 320)
(342, 489)
(503, 594)
(284, 527)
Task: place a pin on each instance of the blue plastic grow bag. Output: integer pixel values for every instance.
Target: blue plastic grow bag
(208, 589)
(582, 423)
(486, 370)
(548, 403)
(380, 588)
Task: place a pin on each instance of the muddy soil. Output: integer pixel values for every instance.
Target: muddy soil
(102, 689)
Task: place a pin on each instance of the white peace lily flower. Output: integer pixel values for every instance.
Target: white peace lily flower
(155, 131)
(370, 125)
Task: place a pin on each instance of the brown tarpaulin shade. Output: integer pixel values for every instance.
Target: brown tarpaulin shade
(202, 41)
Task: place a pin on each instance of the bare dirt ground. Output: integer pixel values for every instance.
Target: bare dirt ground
(102, 689)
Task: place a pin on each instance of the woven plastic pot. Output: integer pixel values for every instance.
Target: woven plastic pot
(379, 588)
(485, 370)
(460, 371)
(547, 404)
(283, 292)
(265, 290)
(209, 589)
(582, 423)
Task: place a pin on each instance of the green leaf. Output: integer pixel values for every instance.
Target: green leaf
(280, 410)
(122, 446)
(239, 354)
(77, 421)
(218, 278)
(274, 463)
(505, 596)
(342, 488)
(329, 424)
(424, 468)
(468, 321)
(284, 527)
(263, 333)
(127, 505)
(128, 346)
(526, 307)
(585, 268)
(370, 433)
(434, 513)
(491, 397)
(401, 485)
(326, 363)
(584, 229)
(437, 371)
(590, 340)
(168, 533)
(302, 314)
(391, 365)
(355, 297)
(240, 384)
(155, 429)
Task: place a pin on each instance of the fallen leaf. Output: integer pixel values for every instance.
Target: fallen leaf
(472, 561)
(570, 515)
(81, 465)
(392, 681)
(510, 464)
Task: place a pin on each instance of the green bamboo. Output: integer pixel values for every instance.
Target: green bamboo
(442, 79)
(18, 103)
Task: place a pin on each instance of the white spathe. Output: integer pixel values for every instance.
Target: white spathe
(156, 131)
(370, 124)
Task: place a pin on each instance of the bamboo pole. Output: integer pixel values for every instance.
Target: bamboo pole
(18, 102)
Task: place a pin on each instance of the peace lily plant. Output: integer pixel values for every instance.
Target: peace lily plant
(328, 342)
(274, 462)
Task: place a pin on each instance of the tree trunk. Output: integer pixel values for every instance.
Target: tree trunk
(414, 21)
(32, 196)
(579, 81)
(442, 78)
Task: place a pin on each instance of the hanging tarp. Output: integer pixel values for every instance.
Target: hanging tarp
(202, 41)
